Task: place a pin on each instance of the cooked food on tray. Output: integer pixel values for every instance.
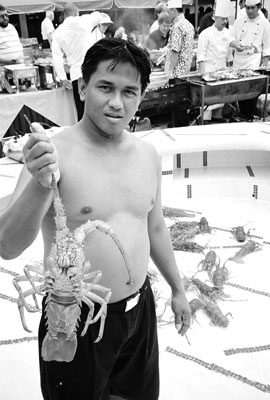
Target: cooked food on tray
(226, 74)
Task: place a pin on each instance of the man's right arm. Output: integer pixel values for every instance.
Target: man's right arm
(21, 221)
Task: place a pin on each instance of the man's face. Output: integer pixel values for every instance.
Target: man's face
(103, 27)
(220, 23)
(164, 28)
(111, 97)
(252, 11)
(4, 19)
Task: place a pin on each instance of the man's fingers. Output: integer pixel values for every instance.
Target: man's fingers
(184, 325)
(36, 127)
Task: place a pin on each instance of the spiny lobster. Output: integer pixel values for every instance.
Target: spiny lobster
(248, 248)
(66, 285)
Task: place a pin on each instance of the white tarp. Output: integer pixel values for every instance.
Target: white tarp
(141, 3)
(33, 6)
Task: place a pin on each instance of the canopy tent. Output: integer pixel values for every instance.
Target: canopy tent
(34, 6)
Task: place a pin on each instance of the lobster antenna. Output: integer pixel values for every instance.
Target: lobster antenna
(60, 215)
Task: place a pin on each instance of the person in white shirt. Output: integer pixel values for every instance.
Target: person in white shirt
(214, 43)
(242, 12)
(214, 51)
(72, 39)
(47, 30)
(252, 31)
(11, 50)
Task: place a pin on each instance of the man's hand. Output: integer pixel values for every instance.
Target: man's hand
(182, 313)
(67, 84)
(41, 157)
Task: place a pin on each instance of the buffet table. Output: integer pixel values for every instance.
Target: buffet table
(57, 105)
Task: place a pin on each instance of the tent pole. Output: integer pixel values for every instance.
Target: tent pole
(196, 16)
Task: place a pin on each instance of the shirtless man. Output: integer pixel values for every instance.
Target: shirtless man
(106, 173)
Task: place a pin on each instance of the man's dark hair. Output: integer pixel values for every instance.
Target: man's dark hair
(117, 50)
(2, 8)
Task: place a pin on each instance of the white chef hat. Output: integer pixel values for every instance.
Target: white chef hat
(252, 2)
(175, 4)
(222, 8)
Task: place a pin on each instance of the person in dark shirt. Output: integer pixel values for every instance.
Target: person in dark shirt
(200, 14)
(206, 21)
(159, 38)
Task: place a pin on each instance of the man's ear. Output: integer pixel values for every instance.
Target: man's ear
(82, 88)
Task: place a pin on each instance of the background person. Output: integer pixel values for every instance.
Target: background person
(180, 44)
(160, 8)
(214, 50)
(159, 38)
(47, 30)
(72, 39)
(252, 32)
(11, 50)
(207, 20)
(100, 29)
(115, 74)
(214, 43)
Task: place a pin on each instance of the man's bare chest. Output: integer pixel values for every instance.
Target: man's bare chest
(105, 188)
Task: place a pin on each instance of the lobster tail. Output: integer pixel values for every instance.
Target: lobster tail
(59, 348)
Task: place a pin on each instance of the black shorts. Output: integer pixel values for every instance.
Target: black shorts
(123, 363)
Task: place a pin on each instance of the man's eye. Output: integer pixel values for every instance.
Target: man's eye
(105, 88)
(130, 93)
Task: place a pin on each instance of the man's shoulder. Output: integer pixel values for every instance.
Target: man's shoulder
(143, 145)
(9, 29)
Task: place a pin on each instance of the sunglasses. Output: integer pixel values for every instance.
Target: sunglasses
(3, 16)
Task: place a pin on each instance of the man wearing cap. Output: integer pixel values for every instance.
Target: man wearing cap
(72, 40)
(252, 32)
(100, 29)
(180, 44)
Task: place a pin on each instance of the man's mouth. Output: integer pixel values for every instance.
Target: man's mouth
(114, 116)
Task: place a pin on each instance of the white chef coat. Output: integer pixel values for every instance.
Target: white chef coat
(213, 48)
(251, 32)
(72, 38)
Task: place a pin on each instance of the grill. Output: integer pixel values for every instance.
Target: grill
(166, 99)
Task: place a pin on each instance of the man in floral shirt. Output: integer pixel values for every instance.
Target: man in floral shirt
(180, 45)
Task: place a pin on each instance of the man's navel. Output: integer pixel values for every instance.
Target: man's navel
(86, 210)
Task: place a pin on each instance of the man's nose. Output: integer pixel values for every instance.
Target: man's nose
(116, 100)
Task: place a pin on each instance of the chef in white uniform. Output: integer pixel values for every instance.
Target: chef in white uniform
(213, 51)
(252, 31)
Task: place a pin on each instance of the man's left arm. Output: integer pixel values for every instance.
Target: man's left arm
(161, 252)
